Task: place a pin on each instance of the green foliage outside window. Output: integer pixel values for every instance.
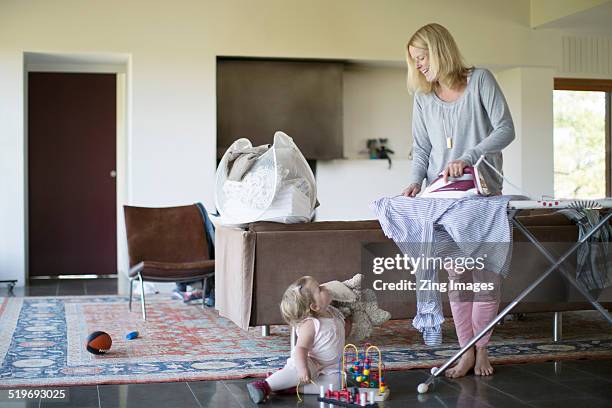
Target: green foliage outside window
(579, 144)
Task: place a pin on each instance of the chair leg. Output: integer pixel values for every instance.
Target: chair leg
(557, 326)
(142, 297)
(131, 284)
(204, 282)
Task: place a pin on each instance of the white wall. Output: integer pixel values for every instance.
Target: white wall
(511, 85)
(346, 188)
(537, 129)
(376, 105)
(173, 48)
(529, 160)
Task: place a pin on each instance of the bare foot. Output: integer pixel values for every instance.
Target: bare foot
(483, 365)
(465, 364)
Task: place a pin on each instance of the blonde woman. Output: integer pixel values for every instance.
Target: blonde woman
(459, 114)
(321, 329)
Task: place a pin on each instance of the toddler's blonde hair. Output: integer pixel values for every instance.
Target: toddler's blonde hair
(445, 60)
(296, 302)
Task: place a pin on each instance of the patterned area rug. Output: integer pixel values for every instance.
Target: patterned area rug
(42, 342)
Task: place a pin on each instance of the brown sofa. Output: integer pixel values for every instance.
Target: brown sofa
(256, 264)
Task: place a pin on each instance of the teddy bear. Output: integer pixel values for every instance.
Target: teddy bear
(360, 305)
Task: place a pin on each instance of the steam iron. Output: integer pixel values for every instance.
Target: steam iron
(469, 184)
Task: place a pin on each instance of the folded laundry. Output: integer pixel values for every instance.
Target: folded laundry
(594, 260)
(265, 183)
(241, 159)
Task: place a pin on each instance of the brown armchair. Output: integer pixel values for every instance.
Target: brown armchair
(167, 245)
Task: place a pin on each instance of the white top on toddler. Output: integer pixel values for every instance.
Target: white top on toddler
(328, 341)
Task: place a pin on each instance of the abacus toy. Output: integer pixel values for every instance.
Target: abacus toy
(347, 397)
(366, 378)
(365, 373)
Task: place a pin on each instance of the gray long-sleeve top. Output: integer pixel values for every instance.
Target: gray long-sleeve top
(479, 122)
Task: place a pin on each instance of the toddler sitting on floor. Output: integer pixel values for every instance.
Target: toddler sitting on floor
(321, 332)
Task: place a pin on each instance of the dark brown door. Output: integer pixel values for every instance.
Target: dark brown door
(71, 154)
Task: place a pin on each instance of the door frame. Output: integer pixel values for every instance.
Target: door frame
(119, 64)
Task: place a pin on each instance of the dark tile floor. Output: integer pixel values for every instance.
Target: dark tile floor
(64, 287)
(575, 384)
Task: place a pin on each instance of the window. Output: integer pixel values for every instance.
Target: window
(582, 138)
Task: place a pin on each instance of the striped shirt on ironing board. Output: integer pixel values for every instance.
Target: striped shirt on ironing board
(426, 227)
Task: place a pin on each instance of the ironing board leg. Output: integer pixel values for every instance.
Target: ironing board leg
(423, 387)
(563, 270)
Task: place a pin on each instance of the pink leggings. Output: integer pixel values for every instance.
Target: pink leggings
(471, 317)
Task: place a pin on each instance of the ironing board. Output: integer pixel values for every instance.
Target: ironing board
(556, 264)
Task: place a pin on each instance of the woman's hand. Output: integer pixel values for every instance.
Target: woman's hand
(412, 190)
(454, 168)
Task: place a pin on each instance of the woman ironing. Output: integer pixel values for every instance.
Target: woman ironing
(459, 114)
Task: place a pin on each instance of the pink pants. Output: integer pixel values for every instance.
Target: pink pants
(471, 317)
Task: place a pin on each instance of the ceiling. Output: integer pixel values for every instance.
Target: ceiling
(597, 20)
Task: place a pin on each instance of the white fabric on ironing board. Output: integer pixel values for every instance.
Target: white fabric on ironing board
(417, 224)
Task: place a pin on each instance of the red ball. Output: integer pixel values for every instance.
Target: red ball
(99, 342)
